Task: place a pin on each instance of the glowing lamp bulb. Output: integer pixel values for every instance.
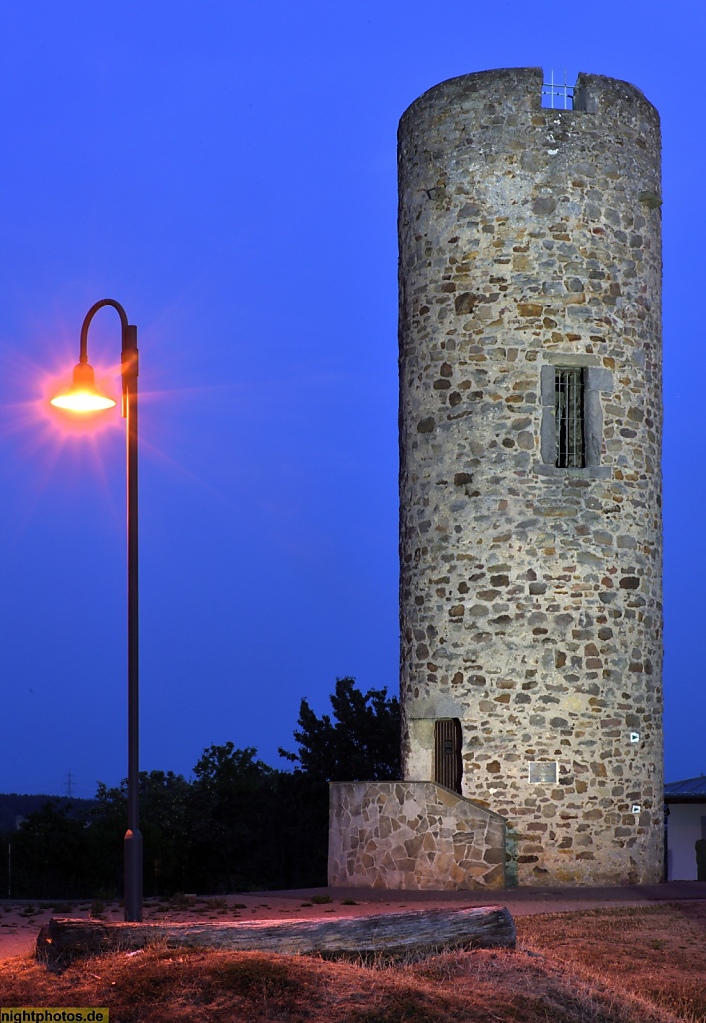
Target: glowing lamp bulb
(83, 396)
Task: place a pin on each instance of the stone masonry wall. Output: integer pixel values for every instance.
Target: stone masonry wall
(412, 835)
(531, 595)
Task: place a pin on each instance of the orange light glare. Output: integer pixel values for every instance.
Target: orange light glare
(83, 396)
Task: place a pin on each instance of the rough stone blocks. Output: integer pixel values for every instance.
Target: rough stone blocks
(530, 604)
(406, 834)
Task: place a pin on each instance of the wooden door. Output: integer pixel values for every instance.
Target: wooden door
(448, 765)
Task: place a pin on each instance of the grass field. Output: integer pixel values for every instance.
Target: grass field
(655, 953)
(626, 965)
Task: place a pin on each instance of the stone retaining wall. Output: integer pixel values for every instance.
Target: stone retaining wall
(412, 835)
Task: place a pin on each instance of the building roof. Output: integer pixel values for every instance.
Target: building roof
(693, 787)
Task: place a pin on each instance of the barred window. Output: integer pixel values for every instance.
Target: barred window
(569, 417)
(572, 415)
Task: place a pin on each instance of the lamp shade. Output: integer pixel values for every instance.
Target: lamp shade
(83, 396)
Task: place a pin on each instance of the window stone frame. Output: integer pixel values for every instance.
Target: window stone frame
(596, 381)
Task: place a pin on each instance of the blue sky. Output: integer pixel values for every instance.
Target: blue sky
(227, 171)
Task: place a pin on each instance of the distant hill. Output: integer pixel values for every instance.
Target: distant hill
(13, 805)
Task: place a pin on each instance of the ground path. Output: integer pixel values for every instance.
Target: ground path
(20, 920)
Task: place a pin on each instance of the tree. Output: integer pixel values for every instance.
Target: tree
(164, 798)
(51, 853)
(362, 743)
(233, 821)
(239, 824)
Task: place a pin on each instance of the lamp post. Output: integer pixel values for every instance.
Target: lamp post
(83, 397)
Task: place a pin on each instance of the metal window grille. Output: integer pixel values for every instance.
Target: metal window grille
(568, 396)
(557, 95)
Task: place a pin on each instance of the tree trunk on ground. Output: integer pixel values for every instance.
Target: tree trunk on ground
(388, 933)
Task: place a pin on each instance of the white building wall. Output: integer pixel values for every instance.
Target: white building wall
(685, 825)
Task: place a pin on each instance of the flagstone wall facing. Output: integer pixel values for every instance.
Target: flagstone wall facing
(418, 835)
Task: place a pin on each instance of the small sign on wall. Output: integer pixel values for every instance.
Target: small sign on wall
(543, 772)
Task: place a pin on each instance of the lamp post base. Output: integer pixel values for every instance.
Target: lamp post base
(133, 875)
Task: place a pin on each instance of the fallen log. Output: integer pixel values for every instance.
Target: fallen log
(388, 933)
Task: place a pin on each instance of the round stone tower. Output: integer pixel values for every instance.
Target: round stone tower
(530, 422)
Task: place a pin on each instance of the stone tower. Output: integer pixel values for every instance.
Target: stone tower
(530, 421)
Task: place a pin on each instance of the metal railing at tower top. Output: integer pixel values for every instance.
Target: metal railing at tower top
(559, 91)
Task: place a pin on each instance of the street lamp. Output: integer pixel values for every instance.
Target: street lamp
(83, 397)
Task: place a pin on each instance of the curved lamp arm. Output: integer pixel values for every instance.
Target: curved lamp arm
(128, 354)
(83, 357)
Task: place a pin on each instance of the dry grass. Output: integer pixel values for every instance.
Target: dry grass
(602, 966)
(657, 953)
